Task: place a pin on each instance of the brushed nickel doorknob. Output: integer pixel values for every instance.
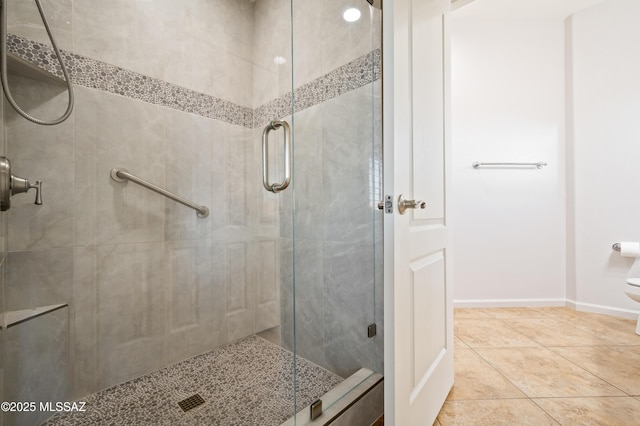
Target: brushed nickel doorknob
(410, 204)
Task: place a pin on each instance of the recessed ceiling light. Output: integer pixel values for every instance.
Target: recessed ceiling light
(351, 15)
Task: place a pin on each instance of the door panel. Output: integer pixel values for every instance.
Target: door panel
(427, 281)
(428, 113)
(416, 165)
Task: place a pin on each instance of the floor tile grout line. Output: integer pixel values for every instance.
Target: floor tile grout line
(561, 321)
(506, 399)
(585, 369)
(586, 397)
(545, 411)
(499, 372)
(504, 321)
(543, 346)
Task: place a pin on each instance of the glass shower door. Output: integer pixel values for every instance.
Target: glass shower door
(337, 226)
(144, 290)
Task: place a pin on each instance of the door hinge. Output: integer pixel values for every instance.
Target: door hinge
(316, 409)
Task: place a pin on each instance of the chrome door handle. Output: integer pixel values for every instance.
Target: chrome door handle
(275, 187)
(409, 204)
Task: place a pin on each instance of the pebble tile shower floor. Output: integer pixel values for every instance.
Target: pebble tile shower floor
(248, 382)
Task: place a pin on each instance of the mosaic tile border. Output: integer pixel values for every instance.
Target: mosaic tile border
(245, 383)
(98, 75)
(88, 72)
(360, 72)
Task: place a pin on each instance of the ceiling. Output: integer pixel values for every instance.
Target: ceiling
(520, 9)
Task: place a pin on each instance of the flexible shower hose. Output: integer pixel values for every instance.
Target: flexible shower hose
(3, 68)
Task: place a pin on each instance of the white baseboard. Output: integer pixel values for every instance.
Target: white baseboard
(508, 303)
(600, 309)
(537, 303)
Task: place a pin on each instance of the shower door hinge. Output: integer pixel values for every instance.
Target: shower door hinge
(316, 409)
(376, 3)
(372, 330)
(387, 204)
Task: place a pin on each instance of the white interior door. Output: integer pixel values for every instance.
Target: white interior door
(419, 353)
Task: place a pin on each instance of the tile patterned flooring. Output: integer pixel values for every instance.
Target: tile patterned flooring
(543, 366)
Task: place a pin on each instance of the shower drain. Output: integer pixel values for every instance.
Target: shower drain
(191, 402)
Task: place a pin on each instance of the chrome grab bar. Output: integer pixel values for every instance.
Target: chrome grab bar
(122, 175)
(274, 125)
(539, 164)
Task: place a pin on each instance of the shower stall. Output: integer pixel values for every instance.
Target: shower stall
(267, 112)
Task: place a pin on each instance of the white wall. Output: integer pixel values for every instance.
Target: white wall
(606, 105)
(508, 106)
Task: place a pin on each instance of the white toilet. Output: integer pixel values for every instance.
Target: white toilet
(633, 291)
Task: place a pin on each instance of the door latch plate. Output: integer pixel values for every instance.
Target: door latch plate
(387, 204)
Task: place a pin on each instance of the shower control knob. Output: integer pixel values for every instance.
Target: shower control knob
(403, 204)
(19, 185)
(11, 185)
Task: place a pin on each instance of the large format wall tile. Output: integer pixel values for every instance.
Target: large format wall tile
(348, 306)
(348, 137)
(238, 290)
(349, 211)
(106, 137)
(342, 41)
(194, 309)
(85, 322)
(196, 38)
(310, 301)
(38, 354)
(43, 153)
(237, 168)
(287, 329)
(267, 287)
(272, 40)
(123, 290)
(39, 278)
(24, 20)
(189, 164)
(335, 193)
(131, 282)
(308, 169)
(169, 296)
(348, 152)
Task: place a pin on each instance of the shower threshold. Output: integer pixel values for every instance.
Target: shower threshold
(247, 382)
(356, 401)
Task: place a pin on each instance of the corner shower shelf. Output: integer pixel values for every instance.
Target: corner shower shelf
(12, 318)
(23, 68)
